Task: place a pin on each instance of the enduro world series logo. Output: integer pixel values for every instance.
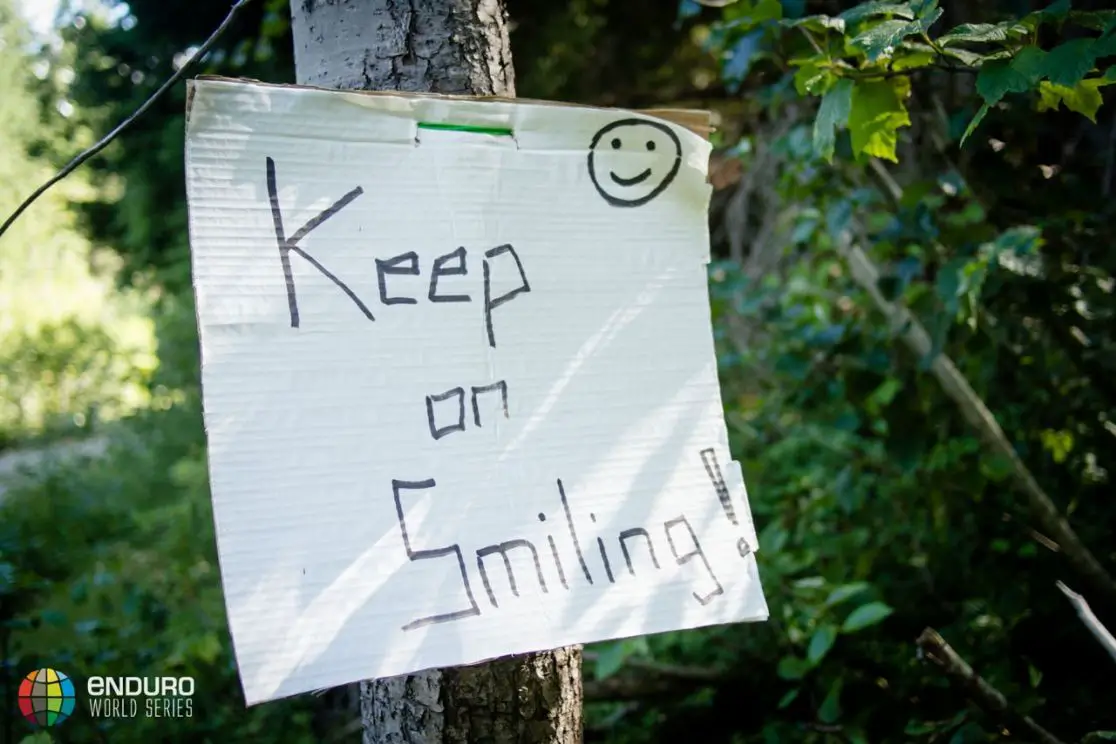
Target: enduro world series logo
(47, 697)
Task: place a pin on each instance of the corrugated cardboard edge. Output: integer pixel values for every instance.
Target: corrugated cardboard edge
(697, 121)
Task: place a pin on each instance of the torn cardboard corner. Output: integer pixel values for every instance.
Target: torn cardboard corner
(459, 381)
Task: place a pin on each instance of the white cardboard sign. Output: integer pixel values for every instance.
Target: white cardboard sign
(460, 387)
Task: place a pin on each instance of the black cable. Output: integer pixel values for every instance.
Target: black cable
(104, 142)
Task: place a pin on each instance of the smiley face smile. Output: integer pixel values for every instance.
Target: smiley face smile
(640, 178)
(623, 147)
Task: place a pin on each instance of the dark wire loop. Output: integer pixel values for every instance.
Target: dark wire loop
(108, 138)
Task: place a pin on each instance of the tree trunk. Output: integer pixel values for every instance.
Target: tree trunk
(462, 47)
(422, 46)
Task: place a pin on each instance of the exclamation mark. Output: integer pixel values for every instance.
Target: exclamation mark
(713, 468)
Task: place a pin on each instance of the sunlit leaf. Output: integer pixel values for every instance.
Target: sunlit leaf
(981, 33)
(913, 61)
(881, 39)
(878, 110)
(818, 23)
(1085, 98)
(812, 79)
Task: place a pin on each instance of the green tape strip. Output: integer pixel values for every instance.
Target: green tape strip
(495, 131)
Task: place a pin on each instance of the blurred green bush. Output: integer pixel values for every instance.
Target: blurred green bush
(108, 567)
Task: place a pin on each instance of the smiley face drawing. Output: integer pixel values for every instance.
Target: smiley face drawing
(631, 161)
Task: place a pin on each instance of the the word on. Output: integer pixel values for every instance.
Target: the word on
(458, 420)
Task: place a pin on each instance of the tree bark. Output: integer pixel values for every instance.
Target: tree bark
(456, 47)
(422, 46)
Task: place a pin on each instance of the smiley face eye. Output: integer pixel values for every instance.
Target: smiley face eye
(616, 143)
(650, 145)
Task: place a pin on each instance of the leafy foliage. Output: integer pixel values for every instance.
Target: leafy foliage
(877, 46)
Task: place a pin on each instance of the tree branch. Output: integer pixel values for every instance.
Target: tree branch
(1091, 622)
(933, 647)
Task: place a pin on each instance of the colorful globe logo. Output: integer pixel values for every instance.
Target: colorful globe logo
(46, 697)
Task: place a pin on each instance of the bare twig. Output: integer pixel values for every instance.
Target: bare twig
(1091, 621)
(933, 647)
(108, 138)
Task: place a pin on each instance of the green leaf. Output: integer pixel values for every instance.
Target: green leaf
(866, 616)
(1084, 98)
(1056, 10)
(823, 640)
(1105, 46)
(982, 33)
(744, 16)
(980, 114)
(792, 668)
(767, 10)
(789, 698)
(964, 56)
(1058, 443)
(830, 709)
(913, 61)
(610, 659)
(881, 39)
(1030, 62)
(812, 79)
(886, 392)
(833, 113)
(868, 10)
(846, 591)
(929, 19)
(1068, 63)
(1097, 20)
(1035, 675)
(878, 110)
(818, 23)
(998, 78)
